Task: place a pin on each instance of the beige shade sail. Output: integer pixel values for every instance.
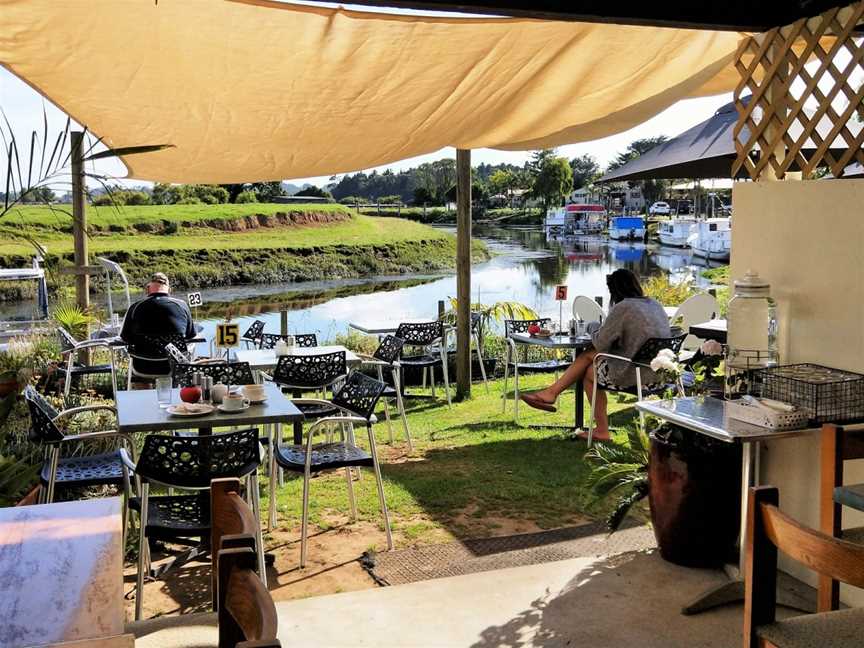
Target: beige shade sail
(254, 90)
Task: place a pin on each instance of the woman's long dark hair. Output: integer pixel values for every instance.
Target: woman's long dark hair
(623, 284)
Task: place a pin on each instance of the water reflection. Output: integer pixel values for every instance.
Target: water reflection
(525, 267)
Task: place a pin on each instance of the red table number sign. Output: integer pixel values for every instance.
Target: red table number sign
(561, 293)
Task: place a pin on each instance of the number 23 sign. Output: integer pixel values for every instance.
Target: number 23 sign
(227, 335)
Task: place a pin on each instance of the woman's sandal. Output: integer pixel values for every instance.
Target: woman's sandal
(532, 400)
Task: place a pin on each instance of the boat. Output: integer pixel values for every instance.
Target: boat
(627, 228)
(574, 219)
(17, 327)
(712, 239)
(676, 232)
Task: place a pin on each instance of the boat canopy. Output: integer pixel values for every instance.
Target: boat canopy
(625, 222)
(35, 273)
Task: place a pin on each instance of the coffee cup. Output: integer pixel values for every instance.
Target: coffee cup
(234, 402)
(254, 392)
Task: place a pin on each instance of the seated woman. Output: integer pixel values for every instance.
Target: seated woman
(633, 319)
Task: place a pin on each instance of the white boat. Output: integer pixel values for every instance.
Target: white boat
(676, 232)
(712, 239)
(627, 228)
(575, 219)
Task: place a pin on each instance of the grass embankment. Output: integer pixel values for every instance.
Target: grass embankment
(208, 245)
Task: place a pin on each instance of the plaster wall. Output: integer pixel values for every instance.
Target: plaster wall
(807, 239)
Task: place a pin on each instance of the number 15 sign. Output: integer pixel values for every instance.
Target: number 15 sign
(227, 335)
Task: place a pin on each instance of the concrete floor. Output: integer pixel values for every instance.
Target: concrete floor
(632, 599)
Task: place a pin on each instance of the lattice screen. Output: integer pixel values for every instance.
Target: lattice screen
(807, 85)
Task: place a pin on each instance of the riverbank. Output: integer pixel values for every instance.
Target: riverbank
(442, 216)
(218, 245)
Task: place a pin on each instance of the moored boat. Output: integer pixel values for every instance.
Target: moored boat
(712, 239)
(574, 219)
(676, 232)
(627, 228)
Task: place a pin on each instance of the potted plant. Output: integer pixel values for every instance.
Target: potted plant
(692, 482)
(24, 358)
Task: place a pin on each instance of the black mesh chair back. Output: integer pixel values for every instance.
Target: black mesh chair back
(359, 394)
(521, 326)
(42, 415)
(67, 342)
(648, 351)
(160, 342)
(193, 462)
(389, 349)
(254, 331)
(475, 322)
(227, 373)
(270, 340)
(422, 334)
(311, 371)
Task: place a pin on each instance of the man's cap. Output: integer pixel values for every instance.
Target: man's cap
(160, 278)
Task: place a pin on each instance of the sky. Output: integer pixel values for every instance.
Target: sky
(23, 108)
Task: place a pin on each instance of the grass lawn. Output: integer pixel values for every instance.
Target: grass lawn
(473, 473)
(359, 230)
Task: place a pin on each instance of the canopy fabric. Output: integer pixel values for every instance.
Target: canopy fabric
(253, 90)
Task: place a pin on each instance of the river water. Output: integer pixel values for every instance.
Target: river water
(525, 268)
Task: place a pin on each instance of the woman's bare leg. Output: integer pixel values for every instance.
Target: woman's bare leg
(577, 370)
(601, 419)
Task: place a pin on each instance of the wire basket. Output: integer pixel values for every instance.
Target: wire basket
(766, 417)
(827, 395)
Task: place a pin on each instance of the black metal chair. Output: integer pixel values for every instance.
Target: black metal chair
(387, 355)
(69, 347)
(155, 351)
(227, 373)
(189, 463)
(475, 335)
(252, 336)
(58, 472)
(640, 362)
(270, 340)
(553, 365)
(356, 401)
(430, 338)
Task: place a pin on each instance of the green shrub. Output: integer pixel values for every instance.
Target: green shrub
(247, 197)
(667, 293)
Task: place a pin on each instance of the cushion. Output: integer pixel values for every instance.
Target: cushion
(839, 629)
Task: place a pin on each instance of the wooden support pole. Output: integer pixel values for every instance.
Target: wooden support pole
(463, 273)
(79, 219)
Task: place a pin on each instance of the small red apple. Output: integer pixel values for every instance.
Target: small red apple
(190, 394)
(534, 329)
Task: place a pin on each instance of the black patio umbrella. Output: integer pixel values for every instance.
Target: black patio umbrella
(708, 150)
(705, 151)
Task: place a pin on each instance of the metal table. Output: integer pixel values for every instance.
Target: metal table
(558, 342)
(712, 330)
(707, 415)
(138, 411)
(62, 567)
(266, 359)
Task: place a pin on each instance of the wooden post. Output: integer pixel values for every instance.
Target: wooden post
(283, 321)
(79, 221)
(463, 273)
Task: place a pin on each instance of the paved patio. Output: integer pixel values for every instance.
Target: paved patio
(628, 599)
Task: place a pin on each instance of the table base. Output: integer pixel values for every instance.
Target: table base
(732, 591)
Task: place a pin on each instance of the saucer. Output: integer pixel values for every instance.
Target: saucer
(222, 408)
(257, 402)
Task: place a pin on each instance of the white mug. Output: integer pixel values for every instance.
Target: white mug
(234, 402)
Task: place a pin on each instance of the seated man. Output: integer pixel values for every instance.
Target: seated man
(152, 319)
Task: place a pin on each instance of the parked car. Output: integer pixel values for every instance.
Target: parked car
(660, 209)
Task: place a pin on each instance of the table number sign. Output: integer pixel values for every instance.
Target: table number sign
(228, 335)
(194, 299)
(561, 293)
